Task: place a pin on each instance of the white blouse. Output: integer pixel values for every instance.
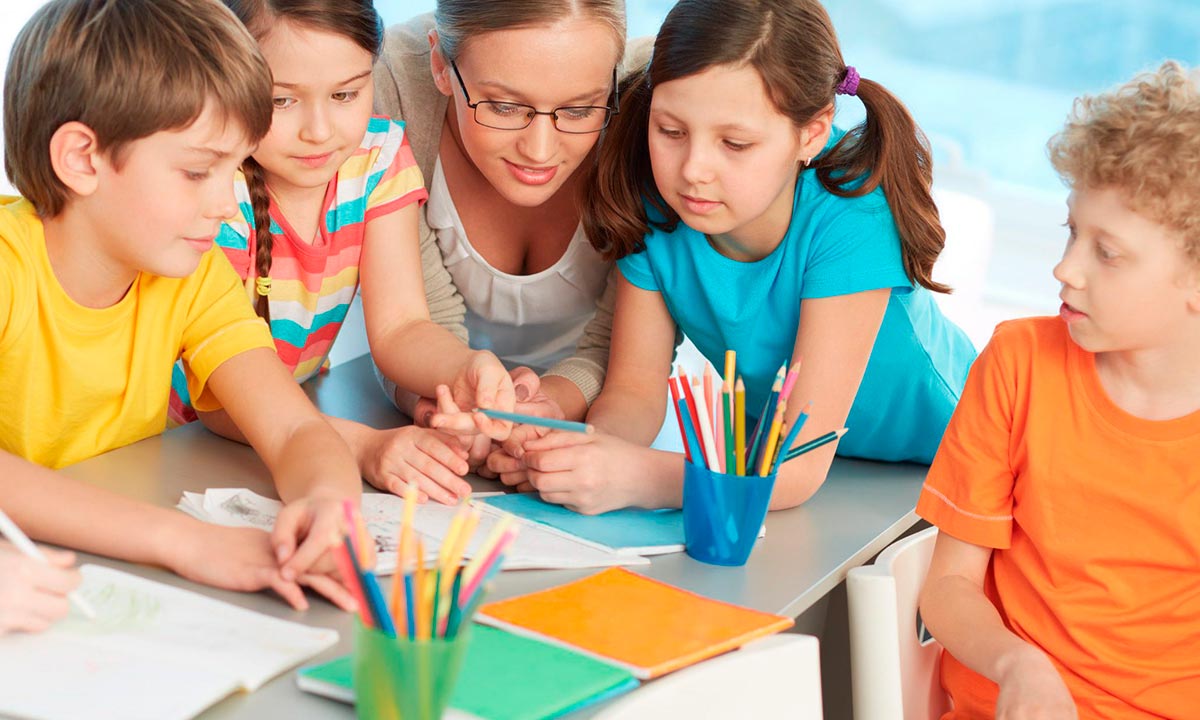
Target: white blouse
(533, 320)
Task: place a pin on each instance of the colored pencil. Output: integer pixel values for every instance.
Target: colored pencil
(375, 606)
(552, 423)
(696, 451)
(685, 386)
(672, 383)
(786, 392)
(764, 418)
(483, 550)
(723, 447)
(772, 439)
(739, 415)
(814, 444)
(791, 437)
(341, 558)
(25, 546)
(706, 436)
(708, 396)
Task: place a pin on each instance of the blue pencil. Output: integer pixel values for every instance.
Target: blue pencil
(374, 596)
(409, 606)
(791, 438)
(551, 423)
(693, 444)
(814, 444)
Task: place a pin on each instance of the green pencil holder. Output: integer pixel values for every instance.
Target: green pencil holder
(403, 679)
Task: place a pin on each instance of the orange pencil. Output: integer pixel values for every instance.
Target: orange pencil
(708, 395)
(772, 439)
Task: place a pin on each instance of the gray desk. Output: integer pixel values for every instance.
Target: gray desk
(807, 550)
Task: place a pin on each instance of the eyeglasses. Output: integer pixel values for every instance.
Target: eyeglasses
(571, 119)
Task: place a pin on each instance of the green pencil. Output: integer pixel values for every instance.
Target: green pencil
(814, 444)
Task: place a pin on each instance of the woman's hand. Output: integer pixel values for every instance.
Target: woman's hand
(482, 383)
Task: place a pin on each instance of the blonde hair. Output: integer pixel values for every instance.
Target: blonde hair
(1142, 138)
(127, 69)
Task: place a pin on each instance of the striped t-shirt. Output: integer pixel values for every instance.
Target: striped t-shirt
(313, 284)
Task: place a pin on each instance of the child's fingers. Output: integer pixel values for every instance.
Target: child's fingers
(316, 543)
(332, 590)
(428, 471)
(50, 607)
(445, 401)
(515, 444)
(434, 490)
(59, 558)
(495, 429)
(288, 590)
(502, 462)
(558, 439)
(526, 383)
(290, 524)
(451, 457)
(551, 461)
(55, 580)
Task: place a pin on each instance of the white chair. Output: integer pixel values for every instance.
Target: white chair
(776, 677)
(893, 670)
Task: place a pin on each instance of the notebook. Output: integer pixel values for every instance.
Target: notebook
(645, 626)
(537, 546)
(631, 531)
(504, 677)
(153, 651)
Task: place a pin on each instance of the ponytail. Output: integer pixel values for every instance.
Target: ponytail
(260, 201)
(613, 214)
(888, 150)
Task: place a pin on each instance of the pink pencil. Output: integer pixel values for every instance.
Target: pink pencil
(790, 382)
(465, 593)
(719, 429)
(708, 392)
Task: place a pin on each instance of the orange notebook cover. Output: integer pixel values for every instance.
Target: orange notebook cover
(646, 626)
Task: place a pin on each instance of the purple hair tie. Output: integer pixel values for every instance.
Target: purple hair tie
(849, 83)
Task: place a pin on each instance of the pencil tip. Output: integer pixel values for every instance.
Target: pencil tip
(843, 431)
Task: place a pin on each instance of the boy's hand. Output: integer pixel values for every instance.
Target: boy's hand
(433, 460)
(33, 594)
(1032, 689)
(243, 559)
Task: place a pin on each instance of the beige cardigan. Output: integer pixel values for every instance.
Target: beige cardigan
(404, 90)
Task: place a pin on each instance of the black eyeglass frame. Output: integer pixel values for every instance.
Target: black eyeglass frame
(532, 112)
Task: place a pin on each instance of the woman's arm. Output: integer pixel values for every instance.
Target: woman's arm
(408, 347)
(963, 619)
(834, 343)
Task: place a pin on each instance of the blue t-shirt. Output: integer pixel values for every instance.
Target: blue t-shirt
(833, 246)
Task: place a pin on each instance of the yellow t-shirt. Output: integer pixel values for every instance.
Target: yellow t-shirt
(77, 381)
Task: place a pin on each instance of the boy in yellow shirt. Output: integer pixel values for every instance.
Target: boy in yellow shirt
(124, 123)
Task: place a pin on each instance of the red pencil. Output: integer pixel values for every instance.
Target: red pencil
(675, 404)
(686, 382)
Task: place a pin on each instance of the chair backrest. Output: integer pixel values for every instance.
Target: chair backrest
(893, 670)
(775, 677)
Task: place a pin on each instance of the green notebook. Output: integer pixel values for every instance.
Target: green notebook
(505, 677)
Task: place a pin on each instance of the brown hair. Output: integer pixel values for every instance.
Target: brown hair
(1143, 138)
(355, 20)
(127, 69)
(457, 21)
(792, 45)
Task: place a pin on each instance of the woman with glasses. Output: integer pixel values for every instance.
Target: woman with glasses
(503, 106)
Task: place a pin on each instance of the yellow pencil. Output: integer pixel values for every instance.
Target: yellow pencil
(730, 369)
(485, 549)
(739, 421)
(422, 610)
(772, 439)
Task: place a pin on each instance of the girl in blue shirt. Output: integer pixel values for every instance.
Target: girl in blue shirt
(740, 217)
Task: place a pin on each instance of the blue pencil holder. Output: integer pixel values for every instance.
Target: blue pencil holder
(722, 514)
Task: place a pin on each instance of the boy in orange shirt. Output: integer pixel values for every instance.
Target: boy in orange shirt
(124, 121)
(1066, 577)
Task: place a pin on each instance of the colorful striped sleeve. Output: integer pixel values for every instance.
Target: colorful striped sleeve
(394, 179)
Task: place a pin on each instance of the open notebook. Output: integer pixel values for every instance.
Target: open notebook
(536, 546)
(153, 652)
(645, 626)
(504, 677)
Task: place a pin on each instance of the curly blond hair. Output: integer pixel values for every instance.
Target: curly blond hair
(1143, 138)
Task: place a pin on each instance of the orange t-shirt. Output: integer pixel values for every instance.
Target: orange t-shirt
(1094, 518)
